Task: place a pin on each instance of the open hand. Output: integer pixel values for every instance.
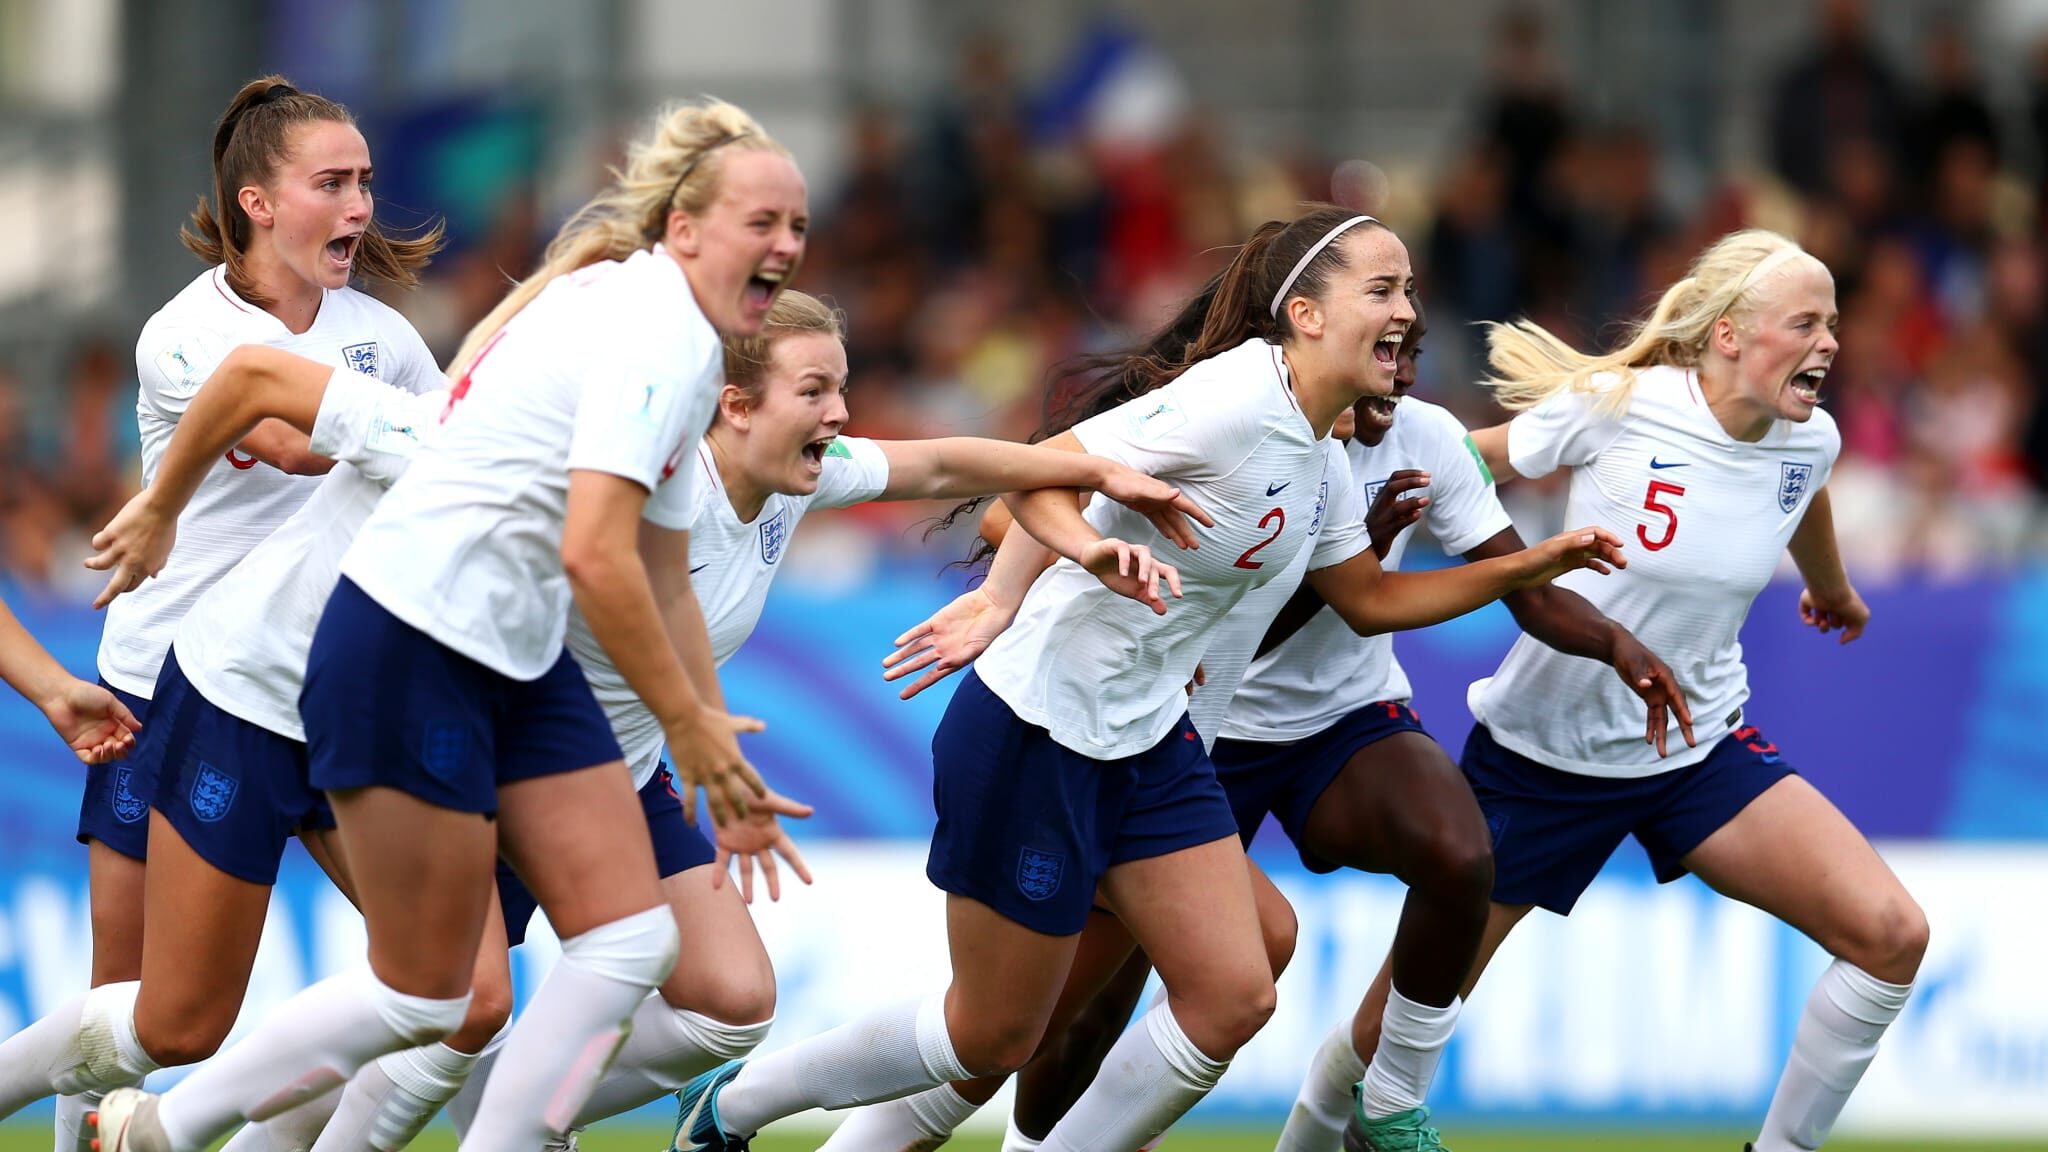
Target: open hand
(1161, 503)
(756, 839)
(946, 641)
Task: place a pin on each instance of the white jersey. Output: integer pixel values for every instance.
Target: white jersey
(612, 368)
(241, 500)
(1704, 519)
(1234, 641)
(1102, 673)
(244, 644)
(732, 563)
(1325, 671)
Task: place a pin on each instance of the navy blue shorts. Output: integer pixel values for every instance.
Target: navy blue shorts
(678, 847)
(235, 791)
(1028, 827)
(115, 810)
(1287, 779)
(1553, 831)
(388, 706)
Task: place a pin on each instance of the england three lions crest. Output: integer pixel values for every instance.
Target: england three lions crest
(1039, 873)
(774, 533)
(1792, 483)
(361, 358)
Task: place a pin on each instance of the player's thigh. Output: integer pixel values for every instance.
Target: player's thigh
(1007, 980)
(423, 876)
(205, 926)
(1194, 914)
(115, 882)
(579, 840)
(1793, 854)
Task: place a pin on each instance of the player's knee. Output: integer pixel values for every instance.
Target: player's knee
(1453, 865)
(1225, 1018)
(740, 993)
(998, 1046)
(490, 1009)
(187, 1039)
(1893, 941)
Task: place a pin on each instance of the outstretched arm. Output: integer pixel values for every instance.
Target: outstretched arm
(957, 467)
(1372, 600)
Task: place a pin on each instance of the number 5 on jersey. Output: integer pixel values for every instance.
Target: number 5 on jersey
(1660, 488)
(1278, 519)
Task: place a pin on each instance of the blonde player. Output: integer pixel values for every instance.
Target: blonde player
(438, 694)
(289, 223)
(91, 719)
(1065, 768)
(1699, 440)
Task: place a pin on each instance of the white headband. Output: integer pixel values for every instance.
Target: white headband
(1765, 267)
(1314, 250)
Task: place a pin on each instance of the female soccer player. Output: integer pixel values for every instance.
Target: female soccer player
(1700, 439)
(438, 692)
(90, 718)
(288, 224)
(1065, 768)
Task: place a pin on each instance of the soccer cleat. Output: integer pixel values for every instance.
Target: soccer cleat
(1401, 1132)
(563, 1143)
(126, 1122)
(697, 1126)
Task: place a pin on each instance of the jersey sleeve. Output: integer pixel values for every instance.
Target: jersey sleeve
(373, 425)
(856, 471)
(1182, 429)
(171, 364)
(673, 503)
(1464, 510)
(1564, 431)
(1339, 528)
(416, 370)
(637, 418)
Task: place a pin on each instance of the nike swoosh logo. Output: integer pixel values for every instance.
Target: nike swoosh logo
(1675, 464)
(1274, 489)
(700, 567)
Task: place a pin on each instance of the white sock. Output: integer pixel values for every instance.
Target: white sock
(664, 1050)
(917, 1123)
(562, 1044)
(1412, 1039)
(292, 1130)
(1846, 1015)
(387, 1103)
(461, 1108)
(87, 1044)
(312, 1044)
(1150, 1079)
(1014, 1140)
(1321, 1108)
(71, 1110)
(883, 1055)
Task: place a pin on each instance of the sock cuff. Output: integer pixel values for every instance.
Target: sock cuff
(940, 1110)
(639, 949)
(1861, 995)
(1014, 1139)
(1418, 1025)
(106, 1035)
(935, 1043)
(416, 1019)
(1199, 1069)
(725, 1041)
(431, 1071)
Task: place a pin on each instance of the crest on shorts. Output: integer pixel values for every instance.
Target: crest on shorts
(361, 358)
(1039, 873)
(773, 533)
(128, 807)
(213, 793)
(1792, 482)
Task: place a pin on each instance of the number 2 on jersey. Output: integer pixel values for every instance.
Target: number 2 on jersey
(1278, 519)
(1660, 488)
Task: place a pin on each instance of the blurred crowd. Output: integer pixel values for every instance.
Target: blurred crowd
(982, 238)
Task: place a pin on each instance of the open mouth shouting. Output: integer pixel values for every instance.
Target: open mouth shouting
(1379, 410)
(762, 287)
(1806, 385)
(341, 251)
(814, 454)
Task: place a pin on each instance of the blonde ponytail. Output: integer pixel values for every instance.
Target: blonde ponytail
(675, 168)
(1530, 365)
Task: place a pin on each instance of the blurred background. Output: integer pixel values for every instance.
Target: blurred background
(997, 187)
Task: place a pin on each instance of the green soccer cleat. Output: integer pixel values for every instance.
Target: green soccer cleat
(1402, 1132)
